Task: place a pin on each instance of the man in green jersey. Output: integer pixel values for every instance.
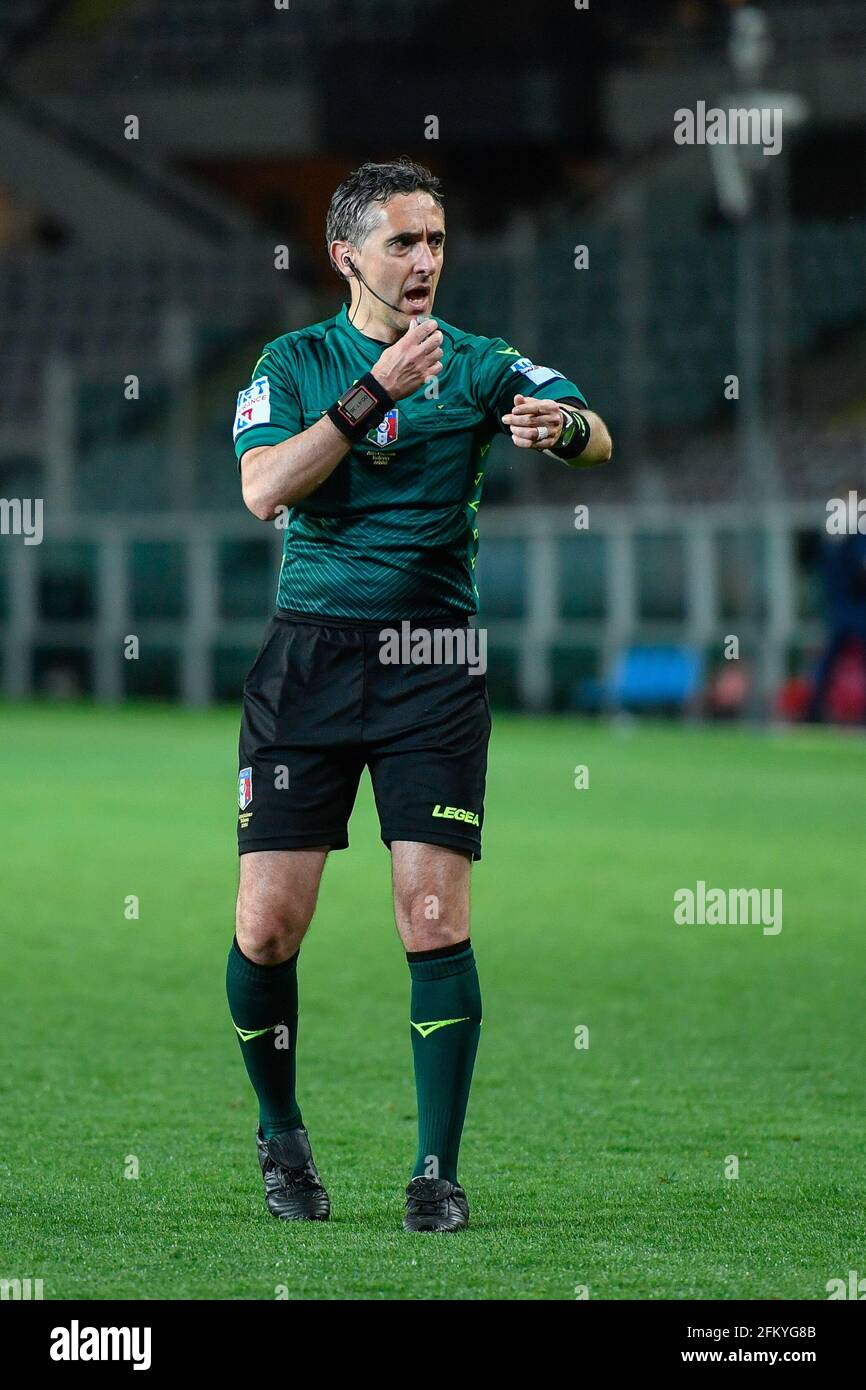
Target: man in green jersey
(365, 437)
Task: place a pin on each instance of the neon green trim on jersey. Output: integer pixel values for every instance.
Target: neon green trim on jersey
(425, 1029)
(247, 1034)
(266, 353)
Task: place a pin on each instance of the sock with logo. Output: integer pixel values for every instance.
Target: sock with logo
(263, 1002)
(445, 1022)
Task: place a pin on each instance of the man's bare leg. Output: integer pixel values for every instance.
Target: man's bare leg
(277, 896)
(431, 894)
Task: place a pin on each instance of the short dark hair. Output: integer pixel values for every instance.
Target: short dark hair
(351, 214)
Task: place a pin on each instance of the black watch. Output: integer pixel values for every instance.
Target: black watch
(361, 408)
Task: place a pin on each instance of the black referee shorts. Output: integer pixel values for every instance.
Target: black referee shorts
(320, 705)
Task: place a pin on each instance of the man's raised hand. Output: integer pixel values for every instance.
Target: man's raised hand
(411, 361)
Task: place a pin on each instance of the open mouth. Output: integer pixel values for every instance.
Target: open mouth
(418, 297)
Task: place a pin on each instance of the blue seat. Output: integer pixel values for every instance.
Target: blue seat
(655, 677)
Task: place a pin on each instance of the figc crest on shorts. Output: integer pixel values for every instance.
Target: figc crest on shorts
(245, 787)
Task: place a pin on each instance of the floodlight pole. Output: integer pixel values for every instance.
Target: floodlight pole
(735, 169)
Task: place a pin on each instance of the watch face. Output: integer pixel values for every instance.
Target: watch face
(357, 403)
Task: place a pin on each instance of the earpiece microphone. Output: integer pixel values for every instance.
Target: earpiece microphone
(355, 271)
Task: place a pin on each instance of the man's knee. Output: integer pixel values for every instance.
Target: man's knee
(431, 895)
(270, 932)
(431, 919)
(276, 903)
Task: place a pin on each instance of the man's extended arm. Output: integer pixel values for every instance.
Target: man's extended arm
(536, 423)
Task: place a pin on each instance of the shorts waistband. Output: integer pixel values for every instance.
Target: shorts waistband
(294, 615)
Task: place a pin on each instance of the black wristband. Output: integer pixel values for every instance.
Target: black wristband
(361, 408)
(579, 440)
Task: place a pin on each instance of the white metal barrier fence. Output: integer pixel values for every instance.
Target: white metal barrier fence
(767, 624)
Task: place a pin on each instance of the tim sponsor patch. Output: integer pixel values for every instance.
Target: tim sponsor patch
(539, 376)
(254, 406)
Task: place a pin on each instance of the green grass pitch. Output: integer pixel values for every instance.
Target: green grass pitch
(602, 1167)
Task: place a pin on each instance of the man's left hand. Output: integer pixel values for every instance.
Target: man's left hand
(534, 423)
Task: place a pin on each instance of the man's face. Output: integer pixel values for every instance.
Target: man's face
(402, 257)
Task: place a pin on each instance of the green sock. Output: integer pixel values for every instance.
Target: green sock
(445, 1025)
(263, 1002)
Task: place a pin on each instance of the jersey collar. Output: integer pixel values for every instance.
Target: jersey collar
(371, 347)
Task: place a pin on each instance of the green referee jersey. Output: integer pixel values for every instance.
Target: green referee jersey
(392, 534)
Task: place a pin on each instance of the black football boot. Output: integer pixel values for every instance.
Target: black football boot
(293, 1188)
(432, 1204)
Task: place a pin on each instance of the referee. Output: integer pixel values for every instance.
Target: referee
(365, 437)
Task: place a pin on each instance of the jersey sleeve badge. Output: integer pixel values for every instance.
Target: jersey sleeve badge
(539, 376)
(254, 406)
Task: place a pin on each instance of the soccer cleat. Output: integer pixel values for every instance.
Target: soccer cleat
(432, 1204)
(293, 1188)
